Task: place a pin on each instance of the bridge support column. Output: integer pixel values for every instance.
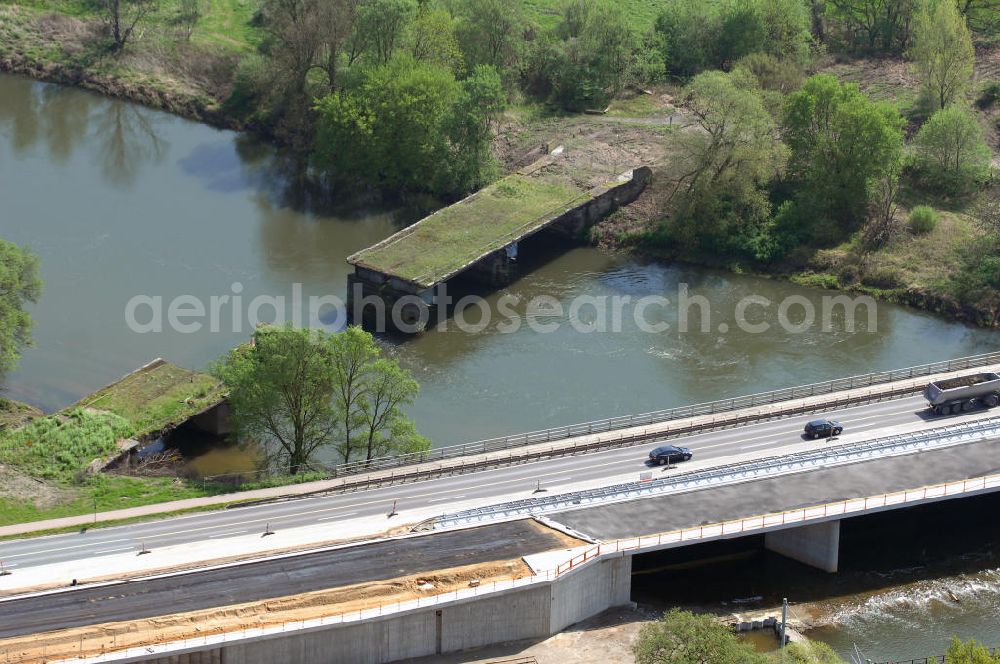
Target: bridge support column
(816, 545)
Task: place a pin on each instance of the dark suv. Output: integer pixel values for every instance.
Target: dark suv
(669, 454)
(823, 429)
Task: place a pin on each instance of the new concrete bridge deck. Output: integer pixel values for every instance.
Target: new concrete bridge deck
(278, 577)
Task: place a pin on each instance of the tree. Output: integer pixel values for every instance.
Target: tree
(281, 390)
(123, 16)
(381, 25)
(188, 16)
(690, 31)
(842, 145)
(296, 38)
(970, 652)
(470, 129)
(386, 427)
(951, 152)
(492, 33)
(432, 37)
(338, 18)
(598, 56)
(370, 394)
(727, 167)
(983, 16)
(389, 129)
(874, 25)
(942, 50)
(19, 285)
(680, 637)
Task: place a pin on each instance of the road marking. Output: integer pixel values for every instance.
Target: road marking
(339, 516)
(67, 548)
(127, 548)
(235, 532)
(438, 500)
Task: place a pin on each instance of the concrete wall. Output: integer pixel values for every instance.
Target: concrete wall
(816, 545)
(591, 590)
(535, 611)
(605, 201)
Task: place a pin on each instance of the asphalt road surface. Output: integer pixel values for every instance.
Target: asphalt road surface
(501, 484)
(274, 578)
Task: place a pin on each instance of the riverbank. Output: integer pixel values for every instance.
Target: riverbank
(193, 77)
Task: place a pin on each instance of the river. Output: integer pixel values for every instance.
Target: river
(119, 201)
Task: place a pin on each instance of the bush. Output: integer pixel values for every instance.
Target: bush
(923, 219)
(58, 447)
(989, 95)
(681, 637)
(951, 153)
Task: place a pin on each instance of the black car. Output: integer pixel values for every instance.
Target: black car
(823, 429)
(669, 454)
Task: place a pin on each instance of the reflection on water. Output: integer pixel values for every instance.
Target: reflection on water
(120, 201)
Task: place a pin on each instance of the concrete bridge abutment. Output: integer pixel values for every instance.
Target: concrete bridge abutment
(816, 545)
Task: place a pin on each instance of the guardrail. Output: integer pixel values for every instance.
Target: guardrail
(556, 434)
(740, 471)
(939, 659)
(630, 545)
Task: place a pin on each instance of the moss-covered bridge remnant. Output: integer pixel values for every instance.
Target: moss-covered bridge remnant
(477, 239)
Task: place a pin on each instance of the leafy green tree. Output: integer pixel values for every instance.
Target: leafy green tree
(690, 32)
(410, 125)
(303, 390)
(951, 151)
(943, 51)
(380, 27)
(969, 652)
(727, 166)
(281, 390)
(977, 282)
(843, 144)
(19, 285)
(433, 38)
(874, 25)
(370, 394)
(470, 130)
(599, 54)
(983, 16)
(389, 129)
(491, 32)
(681, 637)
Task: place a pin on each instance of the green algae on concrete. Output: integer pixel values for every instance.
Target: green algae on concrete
(445, 242)
(156, 397)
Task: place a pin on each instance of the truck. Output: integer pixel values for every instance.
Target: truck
(963, 393)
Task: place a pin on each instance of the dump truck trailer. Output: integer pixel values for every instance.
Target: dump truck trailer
(955, 395)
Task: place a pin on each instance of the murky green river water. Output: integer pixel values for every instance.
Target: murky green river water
(120, 201)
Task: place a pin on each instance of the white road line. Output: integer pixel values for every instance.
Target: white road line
(438, 500)
(127, 548)
(235, 532)
(67, 548)
(339, 516)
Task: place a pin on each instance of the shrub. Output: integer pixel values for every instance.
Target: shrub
(951, 154)
(989, 95)
(923, 219)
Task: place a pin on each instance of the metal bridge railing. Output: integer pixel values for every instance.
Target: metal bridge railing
(734, 472)
(721, 406)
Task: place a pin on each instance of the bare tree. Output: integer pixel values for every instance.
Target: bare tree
(124, 16)
(338, 19)
(190, 14)
(299, 38)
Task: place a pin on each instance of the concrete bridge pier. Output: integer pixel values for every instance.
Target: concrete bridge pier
(816, 545)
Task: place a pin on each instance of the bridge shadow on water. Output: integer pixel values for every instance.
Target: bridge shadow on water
(877, 552)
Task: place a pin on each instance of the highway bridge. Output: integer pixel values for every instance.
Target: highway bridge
(598, 509)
